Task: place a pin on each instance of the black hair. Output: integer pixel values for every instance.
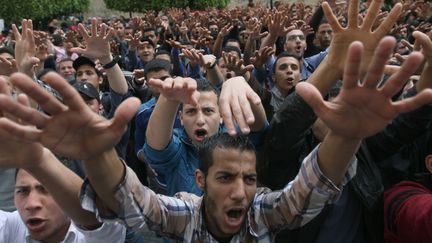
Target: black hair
(162, 52)
(7, 50)
(227, 49)
(223, 141)
(287, 54)
(144, 39)
(156, 65)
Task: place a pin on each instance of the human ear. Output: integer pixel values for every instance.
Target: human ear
(428, 162)
(200, 179)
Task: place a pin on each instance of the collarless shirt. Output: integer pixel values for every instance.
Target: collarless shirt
(13, 230)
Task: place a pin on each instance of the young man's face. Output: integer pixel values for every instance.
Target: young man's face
(325, 35)
(42, 216)
(120, 29)
(66, 69)
(146, 52)
(295, 42)
(151, 35)
(287, 74)
(229, 188)
(87, 73)
(203, 120)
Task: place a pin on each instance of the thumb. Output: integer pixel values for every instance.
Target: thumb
(311, 96)
(124, 113)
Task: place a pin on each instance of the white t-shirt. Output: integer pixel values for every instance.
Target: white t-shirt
(13, 230)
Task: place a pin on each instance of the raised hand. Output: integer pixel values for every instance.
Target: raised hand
(183, 90)
(262, 56)
(25, 48)
(236, 103)
(235, 64)
(362, 107)
(71, 129)
(98, 43)
(7, 67)
(343, 37)
(14, 151)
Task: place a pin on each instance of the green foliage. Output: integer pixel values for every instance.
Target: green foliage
(143, 5)
(15, 10)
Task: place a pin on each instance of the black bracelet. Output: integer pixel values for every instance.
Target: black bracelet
(112, 63)
(213, 65)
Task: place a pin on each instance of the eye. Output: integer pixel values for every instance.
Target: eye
(250, 180)
(22, 191)
(224, 178)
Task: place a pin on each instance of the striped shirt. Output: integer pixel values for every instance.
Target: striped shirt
(181, 218)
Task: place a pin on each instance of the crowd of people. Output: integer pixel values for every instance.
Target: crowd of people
(299, 123)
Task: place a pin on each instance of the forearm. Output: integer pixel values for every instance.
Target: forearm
(335, 155)
(160, 126)
(248, 50)
(217, 47)
(105, 172)
(116, 79)
(64, 185)
(325, 76)
(269, 41)
(214, 75)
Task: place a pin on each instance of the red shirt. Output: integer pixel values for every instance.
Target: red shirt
(408, 213)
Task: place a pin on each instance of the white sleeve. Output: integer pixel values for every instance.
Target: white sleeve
(108, 232)
(12, 229)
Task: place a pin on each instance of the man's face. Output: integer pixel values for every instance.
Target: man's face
(325, 35)
(287, 74)
(229, 189)
(203, 120)
(42, 216)
(214, 29)
(295, 42)
(119, 28)
(7, 56)
(151, 35)
(87, 73)
(160, 74)
(94, 105)
(66, 69)
(146, 51)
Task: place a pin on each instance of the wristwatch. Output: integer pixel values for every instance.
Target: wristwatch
(111, 64)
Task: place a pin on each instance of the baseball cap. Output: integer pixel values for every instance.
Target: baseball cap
(87, 91)
(82, 60)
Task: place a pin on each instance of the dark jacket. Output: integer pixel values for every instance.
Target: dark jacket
(290, 139)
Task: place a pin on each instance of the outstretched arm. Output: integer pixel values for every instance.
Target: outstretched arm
(98, 46)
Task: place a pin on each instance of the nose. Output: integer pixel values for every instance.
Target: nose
(200, 120)
(238, 190)
(33, 201)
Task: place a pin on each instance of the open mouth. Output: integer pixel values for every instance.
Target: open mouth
(229, 75)
(200, 134)
(35, 224)
(235, 213)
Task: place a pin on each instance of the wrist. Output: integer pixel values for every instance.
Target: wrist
(106, 59)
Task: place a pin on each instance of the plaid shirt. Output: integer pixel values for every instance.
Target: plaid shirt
(181, 218)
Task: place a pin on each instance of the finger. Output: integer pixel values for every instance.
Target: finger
(353, 10)
(225, 109)
(4, 89)
(352, 66)
(312, 96)
(407, 44)
(156, 84)
(331, 18)
(83, 32)
(28, 133)
(246, 113)
(194, 95)
(376, 68)
(70, 95)
(103, 30)
(110, 34)
(78, 50)
(16, 33)
(124, 114)
(395, 83)
(167, 84)
(389, 21)
(25, 113)
(47, 101)
(179, 84)
(371, 14)
(93, 27)
(24, 28)
(412, 103)
(425, 43)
